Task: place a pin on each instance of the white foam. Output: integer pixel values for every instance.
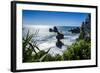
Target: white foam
(52, 44)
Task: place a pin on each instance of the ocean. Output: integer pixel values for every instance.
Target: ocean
(46, 39)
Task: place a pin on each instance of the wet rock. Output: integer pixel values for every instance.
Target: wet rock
(59, 36)
(55, 29)
(59, 44)
(75, 30)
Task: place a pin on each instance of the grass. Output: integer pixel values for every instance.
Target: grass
(29, 49)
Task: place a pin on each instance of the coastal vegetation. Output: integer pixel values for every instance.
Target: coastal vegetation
(79, 50)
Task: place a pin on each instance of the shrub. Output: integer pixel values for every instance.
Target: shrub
(78, 51)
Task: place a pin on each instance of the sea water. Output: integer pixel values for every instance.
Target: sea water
(46, 39)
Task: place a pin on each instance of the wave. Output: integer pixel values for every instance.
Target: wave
(46, 39)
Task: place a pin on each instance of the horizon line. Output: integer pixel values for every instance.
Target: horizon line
(47, 25)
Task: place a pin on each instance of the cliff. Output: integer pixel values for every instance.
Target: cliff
(85, 29)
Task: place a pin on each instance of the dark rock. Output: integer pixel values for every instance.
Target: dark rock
(55, 29)
(50, 30)
(59, 36)
(75, 30)
(59, 44)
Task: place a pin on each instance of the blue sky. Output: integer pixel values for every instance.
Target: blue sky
(33, 17)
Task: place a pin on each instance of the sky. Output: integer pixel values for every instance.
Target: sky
(36, 17)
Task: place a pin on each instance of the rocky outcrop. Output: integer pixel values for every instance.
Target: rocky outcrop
(85, 29)
(75, 30)
(59, 36)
